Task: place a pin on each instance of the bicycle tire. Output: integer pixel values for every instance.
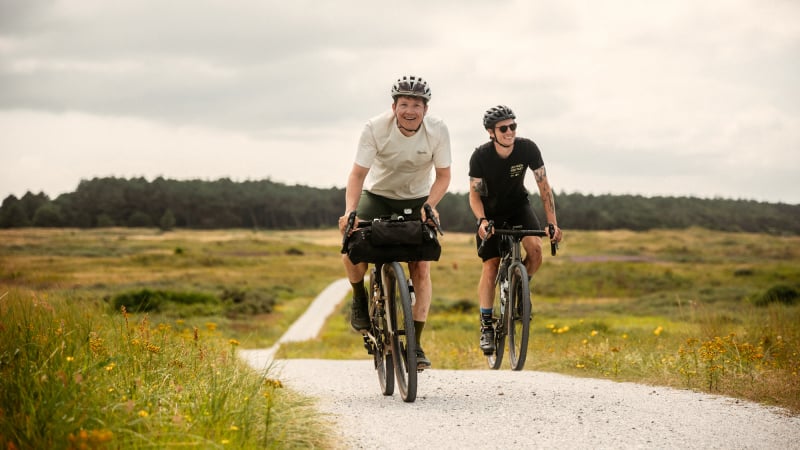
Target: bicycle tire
(381, 354)
(518, 317)
(498, 319)
(401, 330)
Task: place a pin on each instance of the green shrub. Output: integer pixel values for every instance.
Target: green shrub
(146, 300)
(239, 302)
(779, 293)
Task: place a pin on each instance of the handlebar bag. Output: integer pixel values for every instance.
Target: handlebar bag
(387, 241)
(397, 233)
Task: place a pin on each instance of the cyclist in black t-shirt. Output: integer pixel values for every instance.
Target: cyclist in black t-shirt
(497, 192)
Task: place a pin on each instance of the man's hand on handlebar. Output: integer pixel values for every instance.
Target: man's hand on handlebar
(347, 225)
(349, 219)
(429, 214)
(485, 229)
(554, 233)
(488, 230)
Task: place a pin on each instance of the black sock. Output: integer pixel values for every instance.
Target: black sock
(418, 326)
(359, 291)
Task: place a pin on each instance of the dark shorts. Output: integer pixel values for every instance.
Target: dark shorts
(371, 206)
(524, 216)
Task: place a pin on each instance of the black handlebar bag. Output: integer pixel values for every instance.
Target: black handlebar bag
(394, 240)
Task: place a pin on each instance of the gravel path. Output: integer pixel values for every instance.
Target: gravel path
(457, 409)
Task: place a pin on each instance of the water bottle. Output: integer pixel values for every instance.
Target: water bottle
(411, 292)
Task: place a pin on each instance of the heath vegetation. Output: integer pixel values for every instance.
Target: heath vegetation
(127, 338)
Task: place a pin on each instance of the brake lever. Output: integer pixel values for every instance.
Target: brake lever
(553, 243)
(351, 221)
(429, 213)
(490, 225)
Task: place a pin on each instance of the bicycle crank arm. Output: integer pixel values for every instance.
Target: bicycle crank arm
(368, 336)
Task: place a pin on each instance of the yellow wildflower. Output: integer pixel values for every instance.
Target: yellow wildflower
(273, 383)
(153, 348)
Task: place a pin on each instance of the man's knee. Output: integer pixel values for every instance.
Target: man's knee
(419, 268)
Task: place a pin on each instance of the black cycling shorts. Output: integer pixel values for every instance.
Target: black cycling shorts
(523, 216)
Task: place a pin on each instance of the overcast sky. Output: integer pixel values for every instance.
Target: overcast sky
(678, 98)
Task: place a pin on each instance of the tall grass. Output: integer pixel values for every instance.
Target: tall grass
(73, 375)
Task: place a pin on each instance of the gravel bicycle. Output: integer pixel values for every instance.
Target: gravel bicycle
(390, 339)
(511, 316)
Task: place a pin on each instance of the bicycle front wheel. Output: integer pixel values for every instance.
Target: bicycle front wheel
(381, 353)
(518, 313)
(401, 330)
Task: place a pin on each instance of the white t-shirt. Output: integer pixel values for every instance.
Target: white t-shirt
(401, 167)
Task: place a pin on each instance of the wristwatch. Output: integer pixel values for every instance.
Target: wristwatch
(480, 219)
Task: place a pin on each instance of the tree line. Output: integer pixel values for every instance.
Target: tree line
(264, 204)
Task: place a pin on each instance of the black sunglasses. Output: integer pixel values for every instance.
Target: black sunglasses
(505, 128)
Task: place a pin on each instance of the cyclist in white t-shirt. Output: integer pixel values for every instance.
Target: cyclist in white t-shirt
(402, 162)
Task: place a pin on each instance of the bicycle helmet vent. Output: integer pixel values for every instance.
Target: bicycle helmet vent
(496, 114)
(411, 86)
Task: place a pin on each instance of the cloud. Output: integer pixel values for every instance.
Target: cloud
(701, 97)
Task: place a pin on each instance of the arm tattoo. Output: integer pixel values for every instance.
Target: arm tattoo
(545, 192)
(540, 174)
(479, 186)
(549, 202)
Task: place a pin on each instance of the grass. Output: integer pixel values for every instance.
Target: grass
(673, 308)
(74, 377)
(78, 372)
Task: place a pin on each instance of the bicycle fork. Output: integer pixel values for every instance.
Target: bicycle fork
(502, 281)
(372, 342)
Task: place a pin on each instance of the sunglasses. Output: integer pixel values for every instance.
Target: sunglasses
(505, 128)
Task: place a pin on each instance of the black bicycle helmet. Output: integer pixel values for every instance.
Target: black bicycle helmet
(496, 114)
(411, 86)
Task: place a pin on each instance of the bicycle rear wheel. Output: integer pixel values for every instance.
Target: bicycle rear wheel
(496, 359)
(518, 317)
(381, 354)
(401, 330)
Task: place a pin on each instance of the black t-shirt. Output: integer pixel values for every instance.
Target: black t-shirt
(504, 178)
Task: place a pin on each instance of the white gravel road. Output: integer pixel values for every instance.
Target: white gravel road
(458, 409)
